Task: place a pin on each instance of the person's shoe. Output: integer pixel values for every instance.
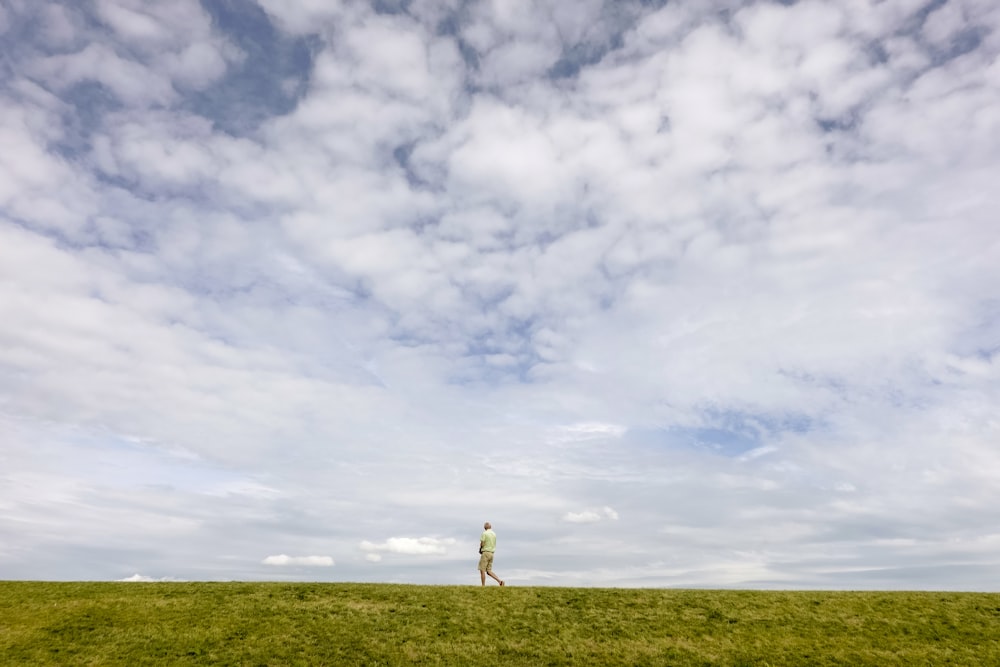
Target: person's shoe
(502, 584)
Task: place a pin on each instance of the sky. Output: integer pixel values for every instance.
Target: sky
(695, 293)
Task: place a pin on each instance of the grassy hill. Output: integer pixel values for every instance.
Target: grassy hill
(380, 624)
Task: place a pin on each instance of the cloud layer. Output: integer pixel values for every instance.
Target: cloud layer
(313, 274)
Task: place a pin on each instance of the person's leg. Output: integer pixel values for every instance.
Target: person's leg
(484, 567)
(489, 568)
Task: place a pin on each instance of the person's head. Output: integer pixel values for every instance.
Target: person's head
(487, 526)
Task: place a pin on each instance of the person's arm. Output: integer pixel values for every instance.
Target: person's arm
(482, 543)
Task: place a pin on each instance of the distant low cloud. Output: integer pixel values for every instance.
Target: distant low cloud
(409, 545)
(591, 516)
(144, 579)
(308, 561)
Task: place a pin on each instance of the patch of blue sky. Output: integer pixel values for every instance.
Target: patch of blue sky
(29, 24)
(966, 41)
(450, 26)
(918, 18)
(877, 52)
(221, 283)
(726, 433)
(498, 356)
(271, 79)
(520, 328)
(617, 18)
(494, 370)
(416, 179)
(86, 105)
(719, 441)
(391, 6)
(843, 123)
(575, 57)
(483, 348)
(724, 441)
(762, 422)
(86, 102)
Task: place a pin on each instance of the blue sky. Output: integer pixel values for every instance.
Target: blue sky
(673, 294)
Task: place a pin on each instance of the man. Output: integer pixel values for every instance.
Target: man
(487, 545)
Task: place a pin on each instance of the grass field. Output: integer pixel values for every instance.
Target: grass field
(381, 624)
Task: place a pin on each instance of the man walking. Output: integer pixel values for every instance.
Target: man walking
(487, 546)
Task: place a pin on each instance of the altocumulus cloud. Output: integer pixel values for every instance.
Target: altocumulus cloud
(299, 273)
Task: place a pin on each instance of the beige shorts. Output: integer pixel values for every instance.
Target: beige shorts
(486, 561)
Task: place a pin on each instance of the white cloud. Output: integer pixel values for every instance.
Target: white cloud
(129, 80)
(942, 24)
(306, 15)
(199, 64)
(139, 578)
(591, 516)
(160, 47)
(282, 560)
(395, 56)
(410, 545)
(588, 431)
(504, 153)
(59, 25)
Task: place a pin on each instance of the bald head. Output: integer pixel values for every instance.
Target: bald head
(487, 526)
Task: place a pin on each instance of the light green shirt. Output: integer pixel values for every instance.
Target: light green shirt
(489, 540)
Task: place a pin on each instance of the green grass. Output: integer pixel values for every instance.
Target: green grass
(382, 624)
